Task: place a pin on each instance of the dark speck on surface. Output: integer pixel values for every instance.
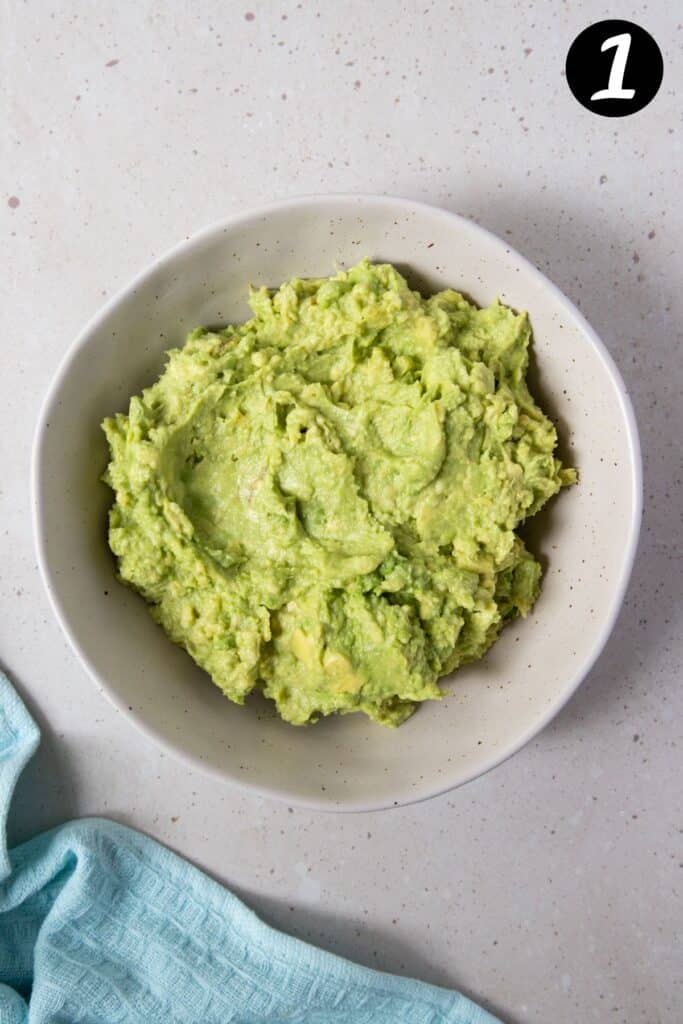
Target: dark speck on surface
(112, 63)
(636, 257)
(527, 51)
(603, 179)
(249, 16)
(13, 202)
(651, 234)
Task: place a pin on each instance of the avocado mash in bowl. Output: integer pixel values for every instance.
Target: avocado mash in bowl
(330, 520)
(322, 503)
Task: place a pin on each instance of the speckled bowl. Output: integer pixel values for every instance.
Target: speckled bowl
(586, 538)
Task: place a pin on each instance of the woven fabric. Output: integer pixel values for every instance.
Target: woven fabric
(99, 923)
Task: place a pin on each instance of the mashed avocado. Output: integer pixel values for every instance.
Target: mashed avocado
(321, 503)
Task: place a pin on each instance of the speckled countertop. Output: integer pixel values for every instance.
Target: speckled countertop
(549, 889)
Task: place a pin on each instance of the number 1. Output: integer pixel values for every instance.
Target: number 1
(615, 84)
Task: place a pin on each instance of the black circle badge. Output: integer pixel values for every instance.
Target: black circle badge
(614, 68)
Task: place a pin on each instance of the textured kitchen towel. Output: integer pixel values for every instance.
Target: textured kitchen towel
(98, 923)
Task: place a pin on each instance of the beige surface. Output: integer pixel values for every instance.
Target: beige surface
(551, 887)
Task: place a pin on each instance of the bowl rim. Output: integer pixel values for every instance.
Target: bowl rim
(221, 226)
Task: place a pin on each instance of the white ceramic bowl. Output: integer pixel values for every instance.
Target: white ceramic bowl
(588, 535)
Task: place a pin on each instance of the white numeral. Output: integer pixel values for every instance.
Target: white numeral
(615, 84)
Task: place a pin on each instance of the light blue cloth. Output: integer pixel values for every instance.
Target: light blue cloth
(101, 924)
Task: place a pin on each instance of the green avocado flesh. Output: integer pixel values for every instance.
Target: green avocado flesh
(321, 503)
